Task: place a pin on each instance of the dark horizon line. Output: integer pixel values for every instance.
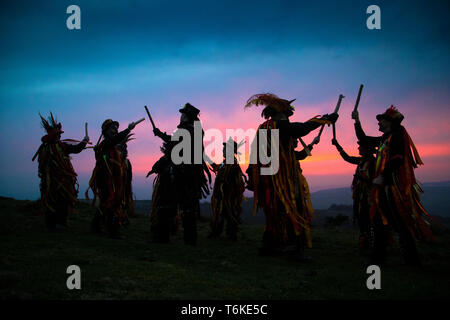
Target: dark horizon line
(325, 189)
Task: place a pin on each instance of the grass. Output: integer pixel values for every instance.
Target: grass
(33, 264)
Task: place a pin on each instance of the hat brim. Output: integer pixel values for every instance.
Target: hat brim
(383, 116)
(189, 114)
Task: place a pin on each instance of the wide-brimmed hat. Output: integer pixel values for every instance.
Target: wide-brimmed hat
(191, 111)
(273, 104)
(290, 111)
(391, 114)
(108, 123)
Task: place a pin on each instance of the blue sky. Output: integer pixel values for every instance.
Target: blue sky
(214, 54)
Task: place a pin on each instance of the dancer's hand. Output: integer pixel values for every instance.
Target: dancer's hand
(131, 126)
(331, 117)
(316, 140)
(157, 132)
(355, 116)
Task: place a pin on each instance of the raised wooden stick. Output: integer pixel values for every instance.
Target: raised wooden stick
(150, 117)
(336, 110)
(359, 97)
(320, 132)
(139, 121)
(338, 105)
(308, 152)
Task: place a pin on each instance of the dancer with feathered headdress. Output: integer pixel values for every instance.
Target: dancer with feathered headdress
(59, 187)
(283, 195)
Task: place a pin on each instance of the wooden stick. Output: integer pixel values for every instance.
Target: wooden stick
(139, 121)
(86, 129)
(308, 152)
(336, 110)
(321, 130)
(150, 117)
(359, 97)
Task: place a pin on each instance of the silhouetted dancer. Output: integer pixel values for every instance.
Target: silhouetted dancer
(59, 187)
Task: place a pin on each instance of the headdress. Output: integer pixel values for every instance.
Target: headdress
(52, 126)
(273, 104)
(391, 114)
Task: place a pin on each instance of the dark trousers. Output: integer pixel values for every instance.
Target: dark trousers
(381, 232)
(108, 217)
(281, 226)
(361, 216)
(231, 225)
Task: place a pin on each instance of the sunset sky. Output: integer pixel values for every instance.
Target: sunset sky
(215, 55)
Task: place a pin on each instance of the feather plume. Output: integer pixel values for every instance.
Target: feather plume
(264, 99)
(273, 104)
(44, 123)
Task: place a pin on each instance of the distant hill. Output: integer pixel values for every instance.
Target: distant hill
(323, 199)
(330, 202)
(326, 203)
(436, 198)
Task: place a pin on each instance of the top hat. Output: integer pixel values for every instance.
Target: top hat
(290, 111)
(191, 111)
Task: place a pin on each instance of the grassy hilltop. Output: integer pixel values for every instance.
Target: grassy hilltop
(33, 264)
